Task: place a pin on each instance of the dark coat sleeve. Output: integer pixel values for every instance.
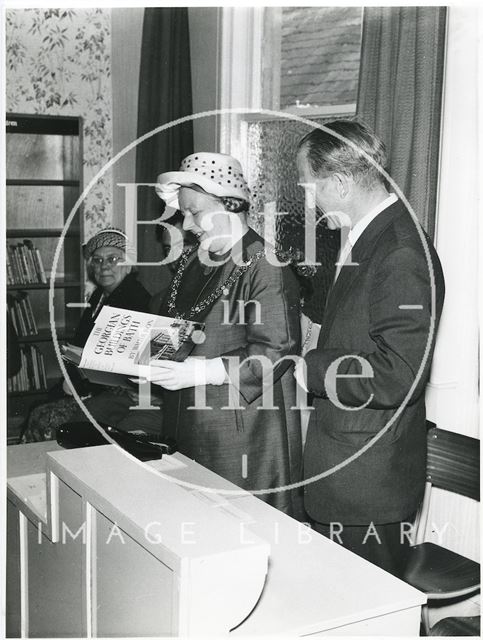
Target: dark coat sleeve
(272, 330)
(402, 339)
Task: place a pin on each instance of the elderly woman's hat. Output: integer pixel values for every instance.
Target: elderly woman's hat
(216, 173)
(109, 237)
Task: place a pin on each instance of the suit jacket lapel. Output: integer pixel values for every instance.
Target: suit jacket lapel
(339, 289)
(361, 253)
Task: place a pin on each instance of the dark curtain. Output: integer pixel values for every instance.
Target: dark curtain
(164, 96)
(400, 89)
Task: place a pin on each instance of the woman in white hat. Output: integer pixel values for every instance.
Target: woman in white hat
(250, 307)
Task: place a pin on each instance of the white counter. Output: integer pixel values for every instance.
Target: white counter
(100, 544)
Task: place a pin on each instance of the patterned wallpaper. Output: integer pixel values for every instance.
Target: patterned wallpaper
(58, 62)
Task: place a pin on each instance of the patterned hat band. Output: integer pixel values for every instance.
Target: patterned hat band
(110, 237)
(218, 174)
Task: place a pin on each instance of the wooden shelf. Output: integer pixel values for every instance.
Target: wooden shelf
(18, 402)
(45, 335)
(31, 182)
(58, 284)
(43, 124)
(24, 394)
(44, 179)
(41, 233)
(14, 396)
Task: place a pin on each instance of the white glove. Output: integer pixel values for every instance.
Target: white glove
(192, 372)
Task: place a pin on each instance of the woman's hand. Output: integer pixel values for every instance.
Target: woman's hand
(192, 372)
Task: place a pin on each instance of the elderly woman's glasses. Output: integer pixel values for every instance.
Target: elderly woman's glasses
(110, 261)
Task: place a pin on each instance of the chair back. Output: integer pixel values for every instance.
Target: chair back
(453, 462)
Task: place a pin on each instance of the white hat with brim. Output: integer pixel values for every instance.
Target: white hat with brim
(216, 173)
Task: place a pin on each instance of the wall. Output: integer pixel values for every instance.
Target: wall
(59, 62)
(70, 74)
(126, 39)
(453, 397)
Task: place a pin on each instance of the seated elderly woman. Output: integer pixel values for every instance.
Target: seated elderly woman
(250, 306)
(117, 286)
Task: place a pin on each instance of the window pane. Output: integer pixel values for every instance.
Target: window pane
(320, 53)
(272, 177)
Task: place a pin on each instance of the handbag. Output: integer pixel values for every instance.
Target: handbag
(73, 435)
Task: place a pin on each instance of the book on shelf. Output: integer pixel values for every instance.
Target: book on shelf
(40, 266)
(24, 264)
(36, 260)
(13, 317)
(17, 277)
(24, 268)
(123, 342)
(28, 315)
(31, 376)
(22, 314)
(10, 276)
(41, 365)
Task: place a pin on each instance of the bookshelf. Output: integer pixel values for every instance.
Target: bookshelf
(44, 180)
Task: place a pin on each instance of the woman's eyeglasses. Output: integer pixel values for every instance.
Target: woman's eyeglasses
(110, 261)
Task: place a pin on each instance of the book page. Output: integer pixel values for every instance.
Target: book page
(124, 341)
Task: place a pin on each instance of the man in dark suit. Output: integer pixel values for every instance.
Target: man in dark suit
(366, 442)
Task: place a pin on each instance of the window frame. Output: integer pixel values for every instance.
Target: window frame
(242, 56)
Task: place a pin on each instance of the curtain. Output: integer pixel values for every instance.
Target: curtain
(164, 96)
(400, 91)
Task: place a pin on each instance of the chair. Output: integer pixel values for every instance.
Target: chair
(453, 464)
(467, 626)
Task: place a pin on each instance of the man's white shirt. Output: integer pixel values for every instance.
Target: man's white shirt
(358, 229)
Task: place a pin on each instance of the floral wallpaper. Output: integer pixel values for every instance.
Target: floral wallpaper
(58, 62)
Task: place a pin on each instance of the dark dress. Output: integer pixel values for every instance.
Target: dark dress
(256, 449)
(104, 405)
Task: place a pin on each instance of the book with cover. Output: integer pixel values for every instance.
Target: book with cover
(123, 342)
(10, 272)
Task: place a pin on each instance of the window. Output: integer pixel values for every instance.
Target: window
(310, 59)
(319, 56)
(300, 60)
(297, 60)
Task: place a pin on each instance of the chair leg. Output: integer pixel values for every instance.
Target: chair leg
(425, 619)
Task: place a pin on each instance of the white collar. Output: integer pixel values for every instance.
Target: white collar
(358, 229)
